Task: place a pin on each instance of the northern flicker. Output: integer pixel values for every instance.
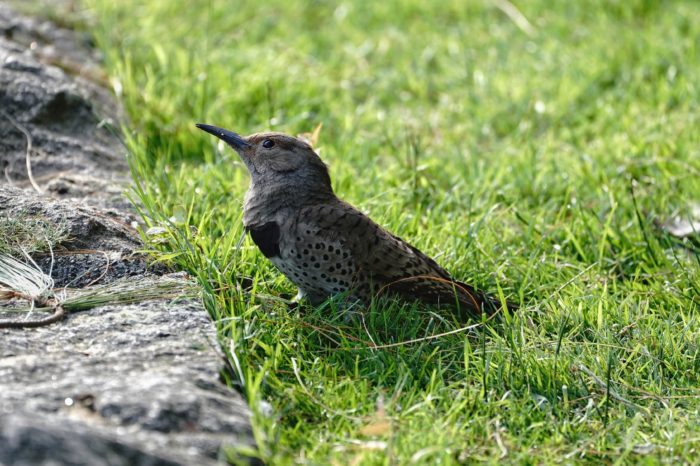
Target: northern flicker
(324, 245)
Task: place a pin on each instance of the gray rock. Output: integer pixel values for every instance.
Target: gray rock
(39, 442)
(145, 376)
(99, 247)
(84, 225)
(134, 384)
(48, 87)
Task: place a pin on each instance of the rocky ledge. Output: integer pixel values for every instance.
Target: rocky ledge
(118, 384)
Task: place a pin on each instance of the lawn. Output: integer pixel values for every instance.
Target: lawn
(535, 149)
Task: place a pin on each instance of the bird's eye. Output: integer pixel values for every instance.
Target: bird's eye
(267, 143)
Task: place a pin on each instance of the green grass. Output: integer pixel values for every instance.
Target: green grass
(535, 165)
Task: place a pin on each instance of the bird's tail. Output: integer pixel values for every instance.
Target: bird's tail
(477, 302)
(444, 291)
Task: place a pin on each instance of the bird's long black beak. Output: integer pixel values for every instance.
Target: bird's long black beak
(229, 137)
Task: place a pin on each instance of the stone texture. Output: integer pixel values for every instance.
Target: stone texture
(49, 87)
(99, 245)
(37, 442)
(145, 376)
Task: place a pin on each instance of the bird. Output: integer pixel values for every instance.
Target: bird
(324, 245)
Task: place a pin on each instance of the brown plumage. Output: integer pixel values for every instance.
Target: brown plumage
(326, 246)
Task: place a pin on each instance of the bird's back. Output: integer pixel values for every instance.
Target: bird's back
(332, 247)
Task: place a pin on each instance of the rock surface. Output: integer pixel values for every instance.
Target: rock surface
(134, 384)
(49, 98)
(98, 246)
(118, 380)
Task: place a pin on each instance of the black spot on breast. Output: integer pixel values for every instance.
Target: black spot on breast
(267, 238)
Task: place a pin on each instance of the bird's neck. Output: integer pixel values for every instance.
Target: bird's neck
(265, 204)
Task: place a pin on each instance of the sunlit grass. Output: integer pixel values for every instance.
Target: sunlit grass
(535, 164)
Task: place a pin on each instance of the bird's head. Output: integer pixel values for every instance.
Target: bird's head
(274, 158)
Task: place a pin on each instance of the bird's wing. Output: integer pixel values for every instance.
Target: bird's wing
(266, 237)
(388, 263)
